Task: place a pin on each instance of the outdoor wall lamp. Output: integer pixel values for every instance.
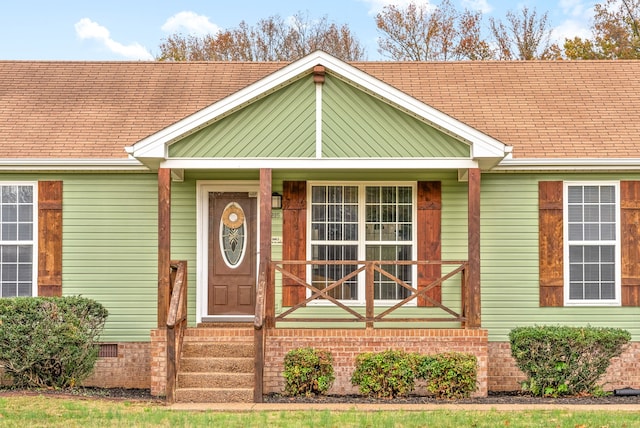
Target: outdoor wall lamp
(276, 201)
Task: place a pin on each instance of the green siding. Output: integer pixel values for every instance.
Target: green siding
(109, 246)
(281, 124)
(509, 268)
(356, 124)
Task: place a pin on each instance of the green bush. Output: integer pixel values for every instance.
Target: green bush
(560, 360)
(385, 374)
(308, 371)
(49, 341)
(449, 375)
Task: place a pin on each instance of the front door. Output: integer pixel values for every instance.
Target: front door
(232, 253)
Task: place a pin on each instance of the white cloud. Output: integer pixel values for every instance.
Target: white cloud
(570, 29)
(578, 24)
(190, 23)
(87, 29)
(378, 5)
(479, 5)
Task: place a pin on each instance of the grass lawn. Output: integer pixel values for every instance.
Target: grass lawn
(49, 411)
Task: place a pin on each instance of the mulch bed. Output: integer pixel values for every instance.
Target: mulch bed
(513, 397)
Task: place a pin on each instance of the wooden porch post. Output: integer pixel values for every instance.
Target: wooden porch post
(164, 244)
(473, 278)
(264, 270)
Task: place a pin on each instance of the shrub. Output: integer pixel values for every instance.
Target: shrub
(308, 371)
(385, 374)
(49, 341)
(449, 375)
(560, 360)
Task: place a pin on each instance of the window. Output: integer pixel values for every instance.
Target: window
(592, 243)
(17, 240)
(362, 222)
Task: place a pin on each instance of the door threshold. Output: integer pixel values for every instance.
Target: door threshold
(228, 318)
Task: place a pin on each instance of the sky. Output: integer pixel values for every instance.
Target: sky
(117, 30)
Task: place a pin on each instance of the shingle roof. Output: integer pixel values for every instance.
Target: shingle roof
(544, 109)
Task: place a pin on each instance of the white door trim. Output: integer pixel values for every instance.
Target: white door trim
(203, 188)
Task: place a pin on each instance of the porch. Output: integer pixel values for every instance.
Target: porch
(282, 323)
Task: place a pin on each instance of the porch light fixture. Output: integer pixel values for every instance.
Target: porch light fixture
(276, 201)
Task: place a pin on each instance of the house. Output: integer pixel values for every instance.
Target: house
(252, 208)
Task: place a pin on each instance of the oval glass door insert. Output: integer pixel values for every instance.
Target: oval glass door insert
(233, 235)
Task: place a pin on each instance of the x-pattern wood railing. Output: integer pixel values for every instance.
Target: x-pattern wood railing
(370, 268)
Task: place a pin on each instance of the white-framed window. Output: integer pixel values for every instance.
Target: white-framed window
(17, 239)
(592, 268)
(362, 221)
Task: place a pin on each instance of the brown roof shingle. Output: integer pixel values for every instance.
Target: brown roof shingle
(544, 109)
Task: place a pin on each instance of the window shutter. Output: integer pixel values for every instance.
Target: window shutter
(550, 241)
(429, 237)
(630, 241)
(294, 238)
(50, 238)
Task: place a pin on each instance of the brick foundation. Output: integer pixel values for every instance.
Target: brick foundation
(129, 369)
(624, 371)
(158, 362)
(346, 344)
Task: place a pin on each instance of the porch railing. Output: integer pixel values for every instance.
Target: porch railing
(370, 268)
(176, 324)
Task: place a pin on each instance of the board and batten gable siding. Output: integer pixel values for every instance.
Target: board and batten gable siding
(356, 124)
(509, 259)
(281, 124)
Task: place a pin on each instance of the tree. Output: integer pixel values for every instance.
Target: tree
(271, 39)
(524, 36)
(428, 33)
(615, 31)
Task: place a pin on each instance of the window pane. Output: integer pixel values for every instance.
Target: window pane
(9, 194)
(24, 289)
(9, 253)
(388, 195)
(592, 232)
(575, 254)
(607, 253)
(608, 232)
(9, 290)
(318, 213)
(575, 213)
(319, 194)
(575, 273)
(350, 194)
(592, 213)
(575, 194)
(591, 194)
(575, 232)
(405, 195)
(25, 253)
(9, 232)
(608, 291)
(591, 290)
(576, 292)
(591, 254)
(607, 194)
(9, 213)
(608, 213)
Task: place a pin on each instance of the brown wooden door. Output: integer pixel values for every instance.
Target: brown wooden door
(232, 253)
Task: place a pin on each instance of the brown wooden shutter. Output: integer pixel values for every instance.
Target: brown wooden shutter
(550, 242)
(50, 238)
(429, 238)
(294, 238)
(630, 242)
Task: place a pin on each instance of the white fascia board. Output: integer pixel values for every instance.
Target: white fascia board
(535, 164)
(323, 163)
(71, 165)
(155, 146)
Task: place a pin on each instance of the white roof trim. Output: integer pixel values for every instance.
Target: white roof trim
(574, 164)
(71, 165)
(155, 146)
(323, 163)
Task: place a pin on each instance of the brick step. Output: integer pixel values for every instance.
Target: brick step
(214, 395)
(224, 365)
(217, 349)
(215, 380)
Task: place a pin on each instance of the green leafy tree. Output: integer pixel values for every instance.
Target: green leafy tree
(615, 33)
